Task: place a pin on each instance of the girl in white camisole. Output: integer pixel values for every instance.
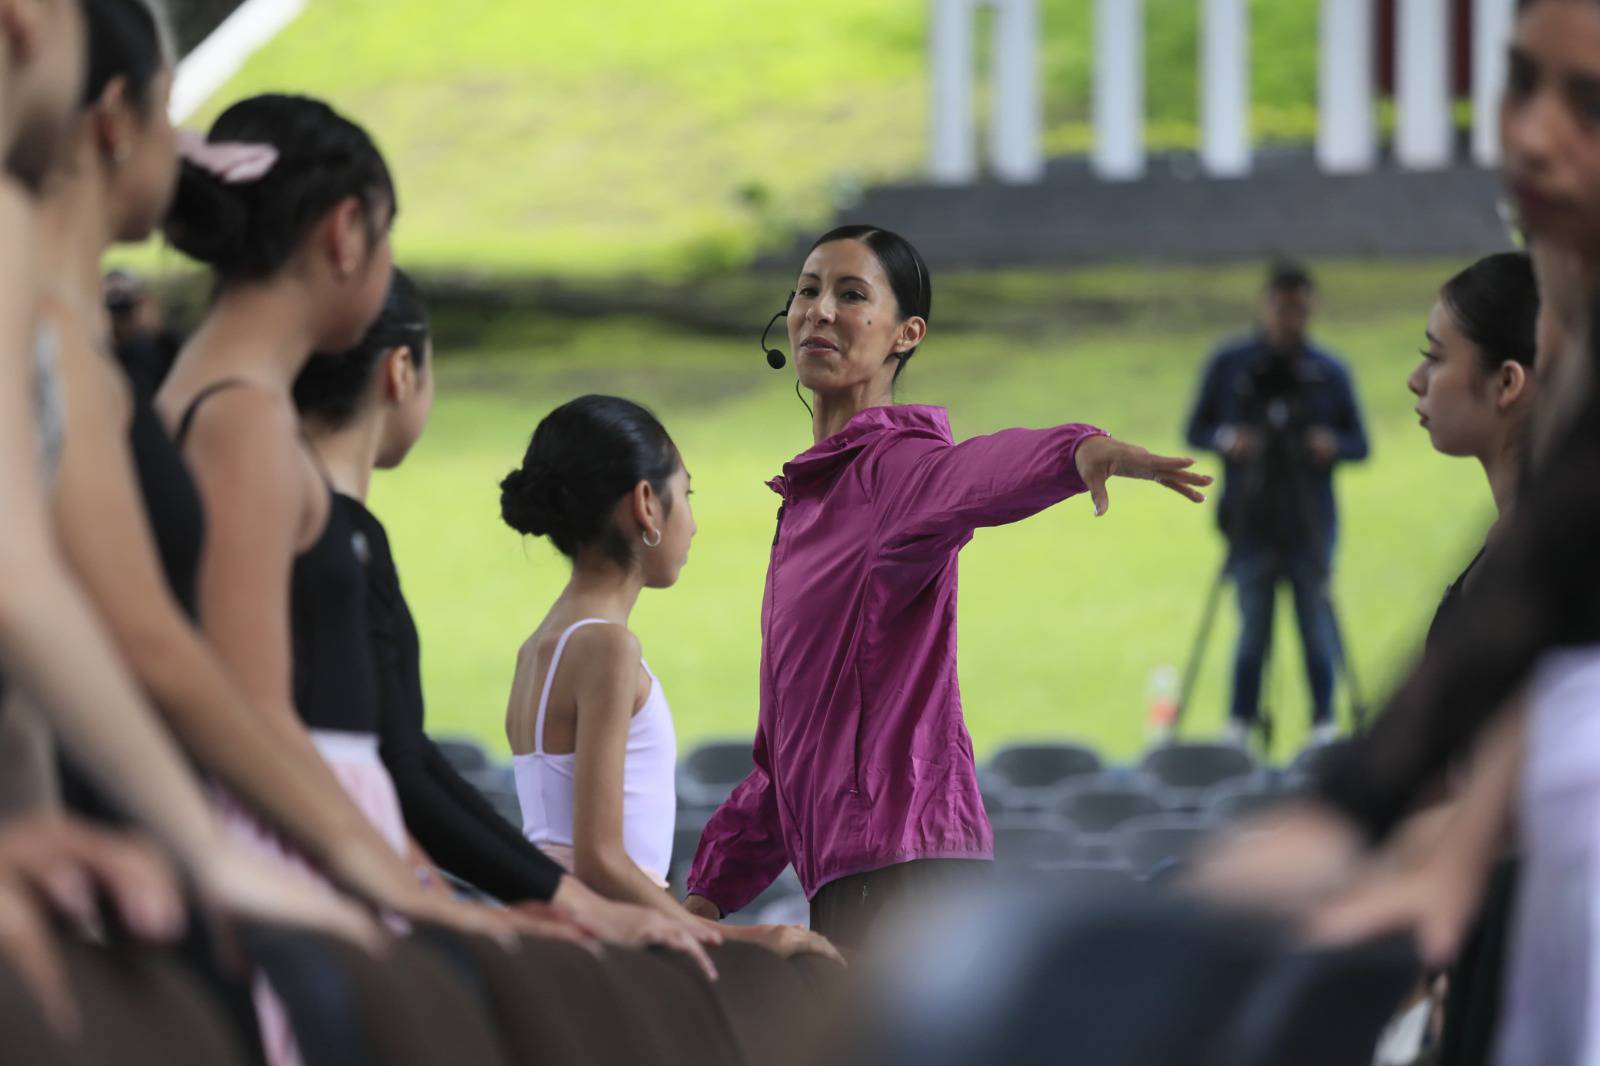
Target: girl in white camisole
(591, 735)
(546, 783)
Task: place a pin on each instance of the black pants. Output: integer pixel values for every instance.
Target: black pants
(845, 910)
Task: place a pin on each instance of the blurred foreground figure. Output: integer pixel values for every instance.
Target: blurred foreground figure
(1145, 979)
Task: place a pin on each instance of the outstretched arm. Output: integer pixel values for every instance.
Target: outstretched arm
(936, 494)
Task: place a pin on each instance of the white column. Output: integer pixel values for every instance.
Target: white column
(952, 152)
(1491, 34)
(1225, 88)
(1347, 125)
(215, 60)
(1422, 93)
(1119, 88)
(1014, 133)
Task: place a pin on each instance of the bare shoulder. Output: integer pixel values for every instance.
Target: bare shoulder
(251, 430)
(605, 646)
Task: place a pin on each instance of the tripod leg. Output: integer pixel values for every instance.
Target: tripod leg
(1191, 669)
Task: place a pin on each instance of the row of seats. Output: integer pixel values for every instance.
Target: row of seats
(1018, 777)
(1061, 813)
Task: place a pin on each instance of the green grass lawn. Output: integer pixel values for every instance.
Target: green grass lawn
(1063, 617)
(642, 137)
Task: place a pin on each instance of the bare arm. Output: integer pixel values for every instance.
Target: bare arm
(605, 665)
(111, 548)
(54, 649)
(250, 473)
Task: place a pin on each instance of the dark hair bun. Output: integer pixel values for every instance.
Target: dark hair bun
(530, 500)
(585, 456)
(249, 230)
(208, 222)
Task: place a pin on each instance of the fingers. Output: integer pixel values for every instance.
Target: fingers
(467, 918)
(1097, 493)
(821, 945)
(706, 932)
(1183, 489)
(142, 887)
(683, 940)
(25, 942)
(66, 861)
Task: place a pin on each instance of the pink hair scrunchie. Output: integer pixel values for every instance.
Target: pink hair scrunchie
(230, 162)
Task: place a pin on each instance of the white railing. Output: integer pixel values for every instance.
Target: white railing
(1347, 126)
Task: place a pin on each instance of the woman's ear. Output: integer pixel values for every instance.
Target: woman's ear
(113, 132)
(912, 330)
(399, 374)
(345, 236)
(647, 508)
(1510, 384)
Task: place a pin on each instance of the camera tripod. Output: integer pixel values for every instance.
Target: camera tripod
(1343, 666)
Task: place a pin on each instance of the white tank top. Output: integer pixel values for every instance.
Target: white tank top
(649, 787)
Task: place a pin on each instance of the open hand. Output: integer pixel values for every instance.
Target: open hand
(56, 866)
(1102, 458)
(787, 940)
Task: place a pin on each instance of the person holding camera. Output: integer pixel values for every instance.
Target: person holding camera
(1282, 413)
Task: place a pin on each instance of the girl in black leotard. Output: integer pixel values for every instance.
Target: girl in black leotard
(290, 204)
(366, 408)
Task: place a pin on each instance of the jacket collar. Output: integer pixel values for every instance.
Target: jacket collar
(824, 460)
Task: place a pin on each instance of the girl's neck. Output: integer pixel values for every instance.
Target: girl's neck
(259, 331)
(600, 590)
(75, 231)
(832, 411)
(349, 453)
(1502, 464)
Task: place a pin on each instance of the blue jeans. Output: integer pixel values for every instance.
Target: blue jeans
(1256, 572)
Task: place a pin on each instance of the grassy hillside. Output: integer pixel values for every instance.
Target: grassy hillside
(641, 137)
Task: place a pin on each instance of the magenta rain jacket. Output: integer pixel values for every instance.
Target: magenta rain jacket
(862, 759)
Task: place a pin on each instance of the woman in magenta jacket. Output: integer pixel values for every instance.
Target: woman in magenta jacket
(864, 777)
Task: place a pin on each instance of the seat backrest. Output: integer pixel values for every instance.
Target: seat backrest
(463, 753)
(1025, 844)
(1228, 801)
(1155, 841)
(1195, 766)
(1077, 876)
(720, 762)
(1322, 1008)
(1100, 808)
(709, 773)
(1042, 765)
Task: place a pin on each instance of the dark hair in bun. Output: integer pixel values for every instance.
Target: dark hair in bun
(330, 388)
(584, 457)
(248, 231)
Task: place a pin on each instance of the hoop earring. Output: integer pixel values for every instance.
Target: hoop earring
(648, 543)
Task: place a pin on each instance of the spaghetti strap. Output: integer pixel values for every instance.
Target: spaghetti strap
(550, 677)
(186, 422)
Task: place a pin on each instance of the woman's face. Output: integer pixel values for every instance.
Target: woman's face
(1550, 123)
(1466, 410)
(845, 325)
(663, 563)
(144, 179)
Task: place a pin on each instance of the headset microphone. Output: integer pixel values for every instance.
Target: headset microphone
(775, 358)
